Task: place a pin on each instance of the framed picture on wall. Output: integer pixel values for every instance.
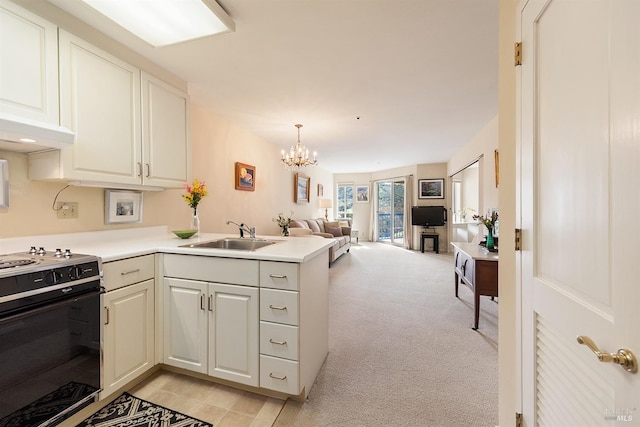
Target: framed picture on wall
(122, 206)
(431, 188)
(245, 177)
(362, 194)
(301, 187)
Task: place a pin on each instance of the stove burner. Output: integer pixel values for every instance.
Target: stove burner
(15, 263)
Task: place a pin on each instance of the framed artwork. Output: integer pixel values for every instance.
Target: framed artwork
(320, 190)
(122, 206)
(4, 183)
(431, 188)
(301, 185)
(496, 158)
(362, 194)
(245, 177)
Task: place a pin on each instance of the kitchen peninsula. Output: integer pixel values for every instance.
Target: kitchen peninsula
(254, 319)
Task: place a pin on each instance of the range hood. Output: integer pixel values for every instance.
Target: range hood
(24, 135)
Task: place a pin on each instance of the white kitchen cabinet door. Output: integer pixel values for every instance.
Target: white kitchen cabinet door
(185, 324)
(100, 103)
(234, 333)
(165, 139)
(128, 334)
(28, 65)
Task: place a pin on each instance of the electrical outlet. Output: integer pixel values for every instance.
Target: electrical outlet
(67, 210)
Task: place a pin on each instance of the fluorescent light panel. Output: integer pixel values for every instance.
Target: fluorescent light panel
(165, 22)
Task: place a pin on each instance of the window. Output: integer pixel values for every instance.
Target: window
(345, 201)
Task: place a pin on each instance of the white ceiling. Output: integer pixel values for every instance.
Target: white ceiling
(377, 84)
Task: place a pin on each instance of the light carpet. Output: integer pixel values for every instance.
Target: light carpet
(401, 348)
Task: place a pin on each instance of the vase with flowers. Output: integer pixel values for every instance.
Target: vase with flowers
(284, 222)
(489, 221)
(195, 193)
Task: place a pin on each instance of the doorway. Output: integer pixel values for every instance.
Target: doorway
(390, 213)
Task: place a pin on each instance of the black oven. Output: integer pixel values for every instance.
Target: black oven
(50, 339)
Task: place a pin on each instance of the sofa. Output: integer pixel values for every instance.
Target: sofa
(340, 231)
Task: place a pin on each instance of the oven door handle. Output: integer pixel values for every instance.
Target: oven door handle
(50, 306)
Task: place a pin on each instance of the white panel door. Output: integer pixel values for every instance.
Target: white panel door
(100, 102)
(185, 324)
(128, 334)
(28, 65)
(234, 333)
(579, 147)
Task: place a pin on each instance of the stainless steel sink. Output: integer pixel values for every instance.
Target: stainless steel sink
(233, 243)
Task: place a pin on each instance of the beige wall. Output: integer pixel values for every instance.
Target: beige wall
(217, 145)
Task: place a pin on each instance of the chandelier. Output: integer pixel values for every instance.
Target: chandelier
(298, 155)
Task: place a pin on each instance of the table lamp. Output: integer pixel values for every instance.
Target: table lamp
(326, 204)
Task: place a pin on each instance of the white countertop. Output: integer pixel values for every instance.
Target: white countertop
(126, 243)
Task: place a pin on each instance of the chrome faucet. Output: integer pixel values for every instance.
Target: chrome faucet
(244, 227)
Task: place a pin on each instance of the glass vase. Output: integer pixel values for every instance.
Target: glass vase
(490, 243)
(285, 231)
(195, 222)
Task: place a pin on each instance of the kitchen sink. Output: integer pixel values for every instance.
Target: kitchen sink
(233, 243)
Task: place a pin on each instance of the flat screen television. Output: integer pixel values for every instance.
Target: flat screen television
(428, 216)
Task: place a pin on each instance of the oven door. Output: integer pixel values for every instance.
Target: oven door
(50, 360)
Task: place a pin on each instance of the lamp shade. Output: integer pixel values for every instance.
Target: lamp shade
(326, 203)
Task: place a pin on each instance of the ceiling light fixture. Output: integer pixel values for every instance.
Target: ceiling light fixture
(165, 22)
(298, 155)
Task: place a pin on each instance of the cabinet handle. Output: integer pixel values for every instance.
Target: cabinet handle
(124, 273)
(139, 169)
(210, 302)
(278, 276)
(107, 316)
(275, 307)
(201, 301)
(277, 342)
(464, 267)
(275, 377)
(148, 170)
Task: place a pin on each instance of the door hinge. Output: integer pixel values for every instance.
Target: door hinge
(518, 242)
(518, 54)
(518, 419)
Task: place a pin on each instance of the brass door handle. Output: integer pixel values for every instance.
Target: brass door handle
(624, 357)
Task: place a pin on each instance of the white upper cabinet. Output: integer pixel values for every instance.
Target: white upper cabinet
(28, 65)
(165, 138)
(100, 103)
(131, 128)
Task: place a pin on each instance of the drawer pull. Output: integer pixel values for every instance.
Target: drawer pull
(124, 273)
(210, 302)
(275, 307)
(277, 342)
(106, 309)
(278, 276)
(202, 302)
(275, 377)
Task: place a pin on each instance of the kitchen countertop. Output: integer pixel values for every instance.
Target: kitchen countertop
(127, 243)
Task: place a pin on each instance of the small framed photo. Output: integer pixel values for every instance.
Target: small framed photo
(4, 184)
(320, 190)
(431, 188)
(362, 194)
(301, 185)
(245, 177)
(122, 206)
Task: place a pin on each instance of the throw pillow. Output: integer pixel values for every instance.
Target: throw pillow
(343, 223)
(331, 224)
(335, 231)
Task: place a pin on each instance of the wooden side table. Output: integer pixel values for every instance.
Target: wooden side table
(432, 236)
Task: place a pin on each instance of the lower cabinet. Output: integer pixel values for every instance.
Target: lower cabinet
(128, 334)
(212, 328)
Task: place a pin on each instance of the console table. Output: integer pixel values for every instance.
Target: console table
(477, 268)
(434, 237)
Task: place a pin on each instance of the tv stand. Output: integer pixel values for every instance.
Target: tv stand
(433, 236)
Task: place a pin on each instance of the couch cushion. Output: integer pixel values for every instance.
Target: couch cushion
(298, 224)
(313, 225)
(335, 231)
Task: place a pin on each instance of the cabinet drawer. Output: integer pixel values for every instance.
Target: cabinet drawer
(279, 340)
(279, 375)
(128, 271)
(279, 306)
(211, 269)
(279, 275)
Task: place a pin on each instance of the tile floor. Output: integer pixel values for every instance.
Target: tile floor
(214, 403)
